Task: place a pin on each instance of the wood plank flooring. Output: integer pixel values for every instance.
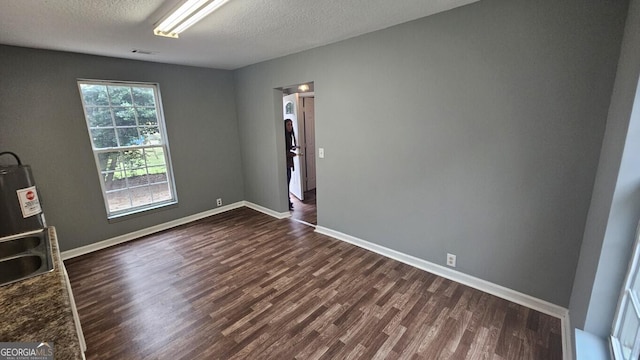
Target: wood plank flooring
(243, 285)
(305, 210)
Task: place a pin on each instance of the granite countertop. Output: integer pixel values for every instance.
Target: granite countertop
(39, 310)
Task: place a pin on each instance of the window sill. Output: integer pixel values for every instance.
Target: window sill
(591, 347)
(143, 212)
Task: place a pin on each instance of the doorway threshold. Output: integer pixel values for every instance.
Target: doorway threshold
(304, 223)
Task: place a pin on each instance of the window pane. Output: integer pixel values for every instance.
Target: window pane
(151, 135)
(147, 116)
(141, 196)
(114, 180)
(103, 138)
(154, 156)
(112, 170)
(137, 177)
(99, 117)
(118, 200)
(133, 159)
(93, 95)
(129, 136)
(628, 330)
(110, 161)
(160, 192)
(157, 174)
(124, 116)
(120, 95)
(143, 97)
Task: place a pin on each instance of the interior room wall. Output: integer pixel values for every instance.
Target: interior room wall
(615, 206)
(41, 119)
(475, 132)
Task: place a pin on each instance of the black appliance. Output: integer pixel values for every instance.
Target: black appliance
(20, 209)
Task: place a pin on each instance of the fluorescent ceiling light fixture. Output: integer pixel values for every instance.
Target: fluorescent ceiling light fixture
(185, 16)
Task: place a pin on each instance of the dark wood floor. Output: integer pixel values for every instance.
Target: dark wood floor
(305, 210)
(243, 285)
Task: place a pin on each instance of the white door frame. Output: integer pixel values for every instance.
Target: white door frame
(309, 140)
(296, 186)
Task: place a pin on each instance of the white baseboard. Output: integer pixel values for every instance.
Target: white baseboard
(267, 211)
(147, 231)
(471, 281)
(567, 337)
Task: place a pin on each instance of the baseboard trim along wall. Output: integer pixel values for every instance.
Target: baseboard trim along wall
(471, 281)
(168, 225)
(147, 231)
(267, 211)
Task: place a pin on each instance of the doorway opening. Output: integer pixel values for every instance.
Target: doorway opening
(298, 104)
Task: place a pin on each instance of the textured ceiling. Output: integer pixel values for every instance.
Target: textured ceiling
(240, 33)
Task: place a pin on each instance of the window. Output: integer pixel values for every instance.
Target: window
(129, 143)
(625, 338)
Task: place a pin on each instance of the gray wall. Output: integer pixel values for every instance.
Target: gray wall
(615, 206)
(476, 132)
(41, 119)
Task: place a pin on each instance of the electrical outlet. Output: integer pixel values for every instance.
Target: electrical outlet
(451, 260)
(218, 202)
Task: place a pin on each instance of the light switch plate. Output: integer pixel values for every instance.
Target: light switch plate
(321, 153)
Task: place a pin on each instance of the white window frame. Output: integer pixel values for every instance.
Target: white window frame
(629, 302)
(164, 143)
